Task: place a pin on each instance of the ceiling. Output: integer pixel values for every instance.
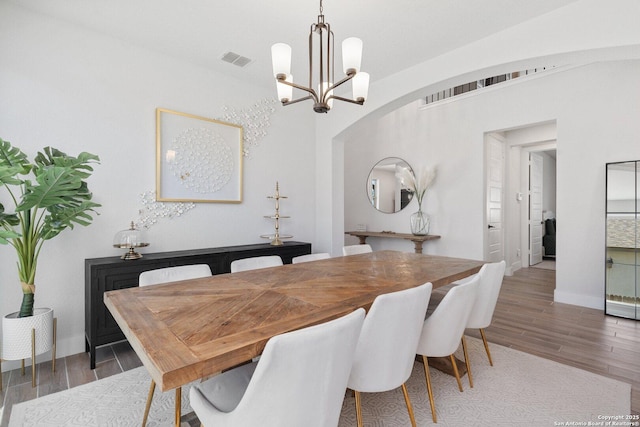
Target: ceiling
(396, 34)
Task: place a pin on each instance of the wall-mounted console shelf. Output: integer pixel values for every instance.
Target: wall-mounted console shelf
(417, 240)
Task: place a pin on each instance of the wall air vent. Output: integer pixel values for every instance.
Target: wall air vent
(235, 59)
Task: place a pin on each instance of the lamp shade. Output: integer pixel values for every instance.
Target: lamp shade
(281, 59)
(351, 54)
(360, 86)
(285, 92)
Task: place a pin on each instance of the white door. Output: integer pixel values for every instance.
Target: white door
(495, 182)
(535, 208)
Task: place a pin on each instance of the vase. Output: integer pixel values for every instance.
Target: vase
(419, 223)
(27, 337)
(16, 334)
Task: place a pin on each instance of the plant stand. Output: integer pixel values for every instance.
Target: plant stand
(24, 337)
(276, 237)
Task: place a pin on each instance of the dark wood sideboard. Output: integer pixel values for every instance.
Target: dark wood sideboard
(112, 273)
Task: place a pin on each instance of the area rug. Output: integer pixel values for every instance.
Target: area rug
(115, 401)
(519, 390)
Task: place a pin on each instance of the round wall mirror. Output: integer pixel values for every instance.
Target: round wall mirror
(385, 191)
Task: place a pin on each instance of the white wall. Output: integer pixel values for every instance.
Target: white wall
(580, 33)
(595, 125)
(77, 90)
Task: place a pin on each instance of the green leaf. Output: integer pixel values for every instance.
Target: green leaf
(55, 186)
(63, 217)
(8, 175)
(7, 220)
(10, 219)
(11, 156)
(53, 156)
(48, 157)
(5, 235)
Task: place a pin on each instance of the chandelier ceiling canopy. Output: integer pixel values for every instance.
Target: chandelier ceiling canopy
(321, 83)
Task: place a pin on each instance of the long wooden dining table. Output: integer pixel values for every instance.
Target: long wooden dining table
(189, 330)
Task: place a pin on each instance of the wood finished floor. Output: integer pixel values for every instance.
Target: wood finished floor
(526, 319)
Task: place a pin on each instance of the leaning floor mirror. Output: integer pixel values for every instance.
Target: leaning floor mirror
(622, 268)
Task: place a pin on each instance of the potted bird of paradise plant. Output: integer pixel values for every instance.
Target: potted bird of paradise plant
(49, 195)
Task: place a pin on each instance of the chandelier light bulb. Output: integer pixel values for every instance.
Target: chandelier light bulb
(360, 86)
(281, 59)
(351, 55)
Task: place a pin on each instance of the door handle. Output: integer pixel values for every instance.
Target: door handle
(490, 226)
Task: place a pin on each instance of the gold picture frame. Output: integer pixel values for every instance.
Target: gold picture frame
(197, 159)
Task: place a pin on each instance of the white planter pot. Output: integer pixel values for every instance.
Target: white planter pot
(16, 334)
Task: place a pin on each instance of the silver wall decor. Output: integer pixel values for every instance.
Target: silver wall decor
(255, 120)
(152, 210)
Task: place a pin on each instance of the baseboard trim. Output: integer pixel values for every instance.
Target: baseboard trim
(577, 299)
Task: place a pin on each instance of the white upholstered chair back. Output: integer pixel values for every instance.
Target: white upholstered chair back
(443, 330)
(254, 263)
(387, 345)
(490, 276)
(356, 249)
(310, 257)
(173, 274)
(300, 380)
(166, 275)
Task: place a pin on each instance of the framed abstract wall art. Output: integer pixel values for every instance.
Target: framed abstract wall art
(197, 159)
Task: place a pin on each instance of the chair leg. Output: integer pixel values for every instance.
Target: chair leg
(425, 362)
(178, 405)
(358, 408)
(486, 346)
(152, 388)
(455, 371)
(466, 361)
(409, 407)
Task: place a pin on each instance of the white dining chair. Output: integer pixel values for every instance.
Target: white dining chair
(490, 281)
(166, 275)
(387, 345)
(356, 249)
(300, 380)
(173, 274)
(310, 257)
(254, 263)
(442, 330)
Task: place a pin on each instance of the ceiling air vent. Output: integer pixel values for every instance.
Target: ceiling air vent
(235, 59)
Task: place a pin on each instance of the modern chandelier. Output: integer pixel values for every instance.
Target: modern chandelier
(321, 85)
